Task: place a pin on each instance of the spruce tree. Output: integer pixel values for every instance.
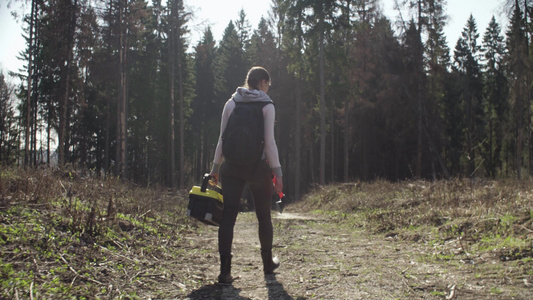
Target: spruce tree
(8, 124)
(205, 119)
(495, 92)
(230, 66)
(517, 65)
(467, 54)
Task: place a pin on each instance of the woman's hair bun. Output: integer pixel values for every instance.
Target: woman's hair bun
(254, 77)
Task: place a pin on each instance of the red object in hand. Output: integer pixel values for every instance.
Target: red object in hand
(280, 194)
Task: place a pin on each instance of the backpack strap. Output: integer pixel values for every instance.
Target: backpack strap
(260, 103)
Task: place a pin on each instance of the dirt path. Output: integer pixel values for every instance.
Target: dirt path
(323, 260)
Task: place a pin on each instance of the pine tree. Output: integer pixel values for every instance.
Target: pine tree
(31, 49)
(205, 117)
(8, 129)
(415, 90)
(244, 31)
(361, 101)
(438, 62)
(318, 18)
(495, 91)
(84, 127)
(467, 65)
(230, 66)
(148, 108)
(289, 18)
(126, 22)
(262, 48)
(428, 17)
(517, 65)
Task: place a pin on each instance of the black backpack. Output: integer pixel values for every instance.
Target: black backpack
(243, 138)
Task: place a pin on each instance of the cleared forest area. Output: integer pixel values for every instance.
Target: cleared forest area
(71, 235)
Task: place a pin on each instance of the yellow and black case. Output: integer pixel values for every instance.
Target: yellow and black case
(206, 202)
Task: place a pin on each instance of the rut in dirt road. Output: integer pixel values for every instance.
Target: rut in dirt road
(323, 259)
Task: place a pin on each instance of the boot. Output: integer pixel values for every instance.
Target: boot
(225, 270)
(269, 263)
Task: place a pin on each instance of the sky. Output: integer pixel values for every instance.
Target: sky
(217, 14)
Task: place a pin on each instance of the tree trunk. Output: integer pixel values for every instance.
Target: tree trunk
(63, 105)
(172, 125)
(520, 132)
(176, 43)
(519, 106)
(347, 140)
(419, 99)
(181, 114)
(322, 105)
(332, 146)
(298, 145)
(528, 90)
(108, 101)
(34, 118)
(419, 122)
(171, 56)
(121, 107)
(48, 139)
(28, 96)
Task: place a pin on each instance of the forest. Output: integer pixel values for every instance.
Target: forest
(114, 87)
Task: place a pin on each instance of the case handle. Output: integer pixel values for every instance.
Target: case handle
(205, 181)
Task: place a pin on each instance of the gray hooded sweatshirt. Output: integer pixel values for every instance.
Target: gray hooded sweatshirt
(270, 151)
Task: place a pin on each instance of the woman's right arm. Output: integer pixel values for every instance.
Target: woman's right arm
(217, 161)
(271, 149)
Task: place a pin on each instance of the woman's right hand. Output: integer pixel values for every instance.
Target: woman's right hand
(214, 177)
(278, 187)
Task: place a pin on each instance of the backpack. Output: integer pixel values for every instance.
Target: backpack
(243, 138)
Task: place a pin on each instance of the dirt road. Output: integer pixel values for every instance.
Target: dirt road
(324, 259)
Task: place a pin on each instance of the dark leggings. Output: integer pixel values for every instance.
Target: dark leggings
(233, 179)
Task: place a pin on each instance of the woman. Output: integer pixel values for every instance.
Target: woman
(258, 176)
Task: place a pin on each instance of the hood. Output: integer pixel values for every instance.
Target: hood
(245, 95)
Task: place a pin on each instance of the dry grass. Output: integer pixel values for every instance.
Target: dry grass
(66, 233)
(70, 233)
(87, 203)
(483, 215)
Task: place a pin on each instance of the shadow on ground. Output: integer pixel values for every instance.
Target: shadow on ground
(276, 289)
(214, 291)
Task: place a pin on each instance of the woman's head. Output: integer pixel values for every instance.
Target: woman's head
(256, 78)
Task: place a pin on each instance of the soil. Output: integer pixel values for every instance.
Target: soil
(323, 259)
(64, 250)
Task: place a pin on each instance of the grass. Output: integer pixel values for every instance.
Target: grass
(72, 234)
(476, 216)
(69, 233)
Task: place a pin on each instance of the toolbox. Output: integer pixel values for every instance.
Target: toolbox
(206, 202)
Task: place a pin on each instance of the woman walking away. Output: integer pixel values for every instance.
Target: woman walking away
(245, 145)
